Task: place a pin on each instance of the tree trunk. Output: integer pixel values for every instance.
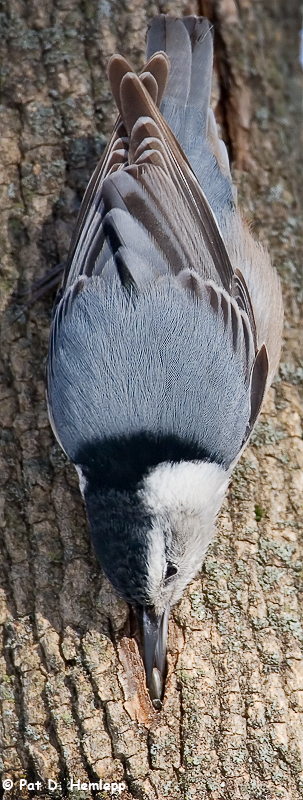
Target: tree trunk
(73, 702)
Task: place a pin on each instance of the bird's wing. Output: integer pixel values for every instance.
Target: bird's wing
(148, 169)
(145, 215)
(154, 76)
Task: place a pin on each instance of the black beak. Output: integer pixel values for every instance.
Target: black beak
(154, 636)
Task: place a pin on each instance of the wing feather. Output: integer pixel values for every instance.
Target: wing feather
(145, 215)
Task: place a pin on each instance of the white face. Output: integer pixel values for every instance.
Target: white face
(184, 500)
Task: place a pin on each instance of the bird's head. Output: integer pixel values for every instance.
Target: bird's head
(151, 541)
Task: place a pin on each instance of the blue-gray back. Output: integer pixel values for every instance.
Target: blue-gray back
(160, 362)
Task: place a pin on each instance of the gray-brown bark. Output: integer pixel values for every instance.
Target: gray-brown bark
(73, 702)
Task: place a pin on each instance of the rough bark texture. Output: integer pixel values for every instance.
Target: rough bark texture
(73, 702)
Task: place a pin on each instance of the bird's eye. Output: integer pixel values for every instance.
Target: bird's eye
(171, 570)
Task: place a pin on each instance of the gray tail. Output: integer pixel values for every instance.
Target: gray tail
(188, 44)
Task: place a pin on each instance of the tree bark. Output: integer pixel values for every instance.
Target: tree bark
(73, 698)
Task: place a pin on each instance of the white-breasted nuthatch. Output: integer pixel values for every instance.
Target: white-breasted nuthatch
(166, 332)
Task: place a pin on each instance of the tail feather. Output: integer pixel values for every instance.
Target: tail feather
(189, 46)
(199, 30)
(169, 35)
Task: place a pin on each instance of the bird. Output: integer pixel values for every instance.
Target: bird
(166, 332)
